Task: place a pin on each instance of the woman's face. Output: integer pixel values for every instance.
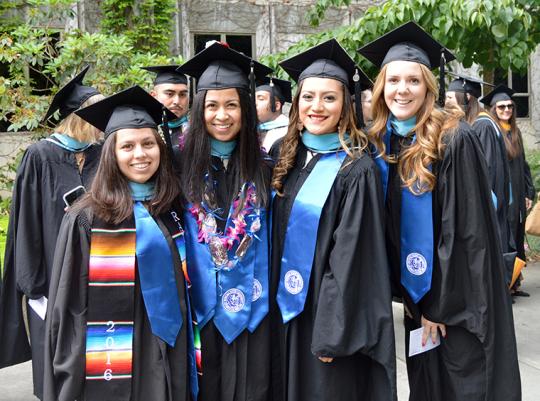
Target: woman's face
(137, 153)
(222, 114)
(504, 109)
(320, 104)
(451, 99)
(405, 89)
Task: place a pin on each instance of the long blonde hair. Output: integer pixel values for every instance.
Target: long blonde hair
(432, 124)
(354, 146)
(77, 128)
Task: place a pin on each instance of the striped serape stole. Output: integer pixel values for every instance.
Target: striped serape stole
(109, 332)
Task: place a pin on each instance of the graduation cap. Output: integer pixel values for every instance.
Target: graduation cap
(166, 74)
(130, 108)
(465, 84)
(70, 97)
(501, 92)
(278, 88)
(409, 42)
(220, 67)
(330, 60)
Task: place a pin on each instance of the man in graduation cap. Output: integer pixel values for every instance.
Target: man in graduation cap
(50, 170)
(441, 230)
(171, 90)
(270, 97)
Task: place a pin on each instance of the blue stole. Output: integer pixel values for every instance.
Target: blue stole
(323, 143)
(267, 126)
(235, 298)
(221, 148)
(301, 235)
(178, 122)
(68, 143)
(416, 237)
(156, 270)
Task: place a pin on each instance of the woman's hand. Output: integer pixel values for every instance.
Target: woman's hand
(325, 359)
(528, 203)
(430, 330)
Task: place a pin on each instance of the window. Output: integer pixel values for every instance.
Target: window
(241, 43)
(519, 83)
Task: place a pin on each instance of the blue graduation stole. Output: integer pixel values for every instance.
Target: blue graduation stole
(68, 143)
(416, 236)
(301, 235)
(235, 299)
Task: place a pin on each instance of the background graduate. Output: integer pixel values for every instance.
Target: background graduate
(49, 169)
(441, 232)
(333, 319)
(464, 92)
(119, 324)
(227, 184)
(171, 90)
(493, 147)
(503, 110)
(270, 97)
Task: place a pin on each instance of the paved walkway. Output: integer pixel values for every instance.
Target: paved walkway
(16, 381)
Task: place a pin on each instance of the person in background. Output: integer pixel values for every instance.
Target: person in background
(52, 173)
(464, 92)
(502, 108)
(119, 324)
(366, 106)
(270, 97)
(171, 90)
(441, 233)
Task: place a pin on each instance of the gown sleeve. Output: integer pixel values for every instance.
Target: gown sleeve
(354, 310)
(65, 336)
(23, 273)
(469, 283)
(530, 191)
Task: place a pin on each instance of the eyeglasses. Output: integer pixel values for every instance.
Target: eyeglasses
(505, 106)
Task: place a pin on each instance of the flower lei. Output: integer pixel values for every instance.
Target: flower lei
(241, 230)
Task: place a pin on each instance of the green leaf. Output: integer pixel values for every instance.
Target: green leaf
(499, 31)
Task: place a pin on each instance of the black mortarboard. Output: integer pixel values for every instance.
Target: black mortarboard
(409, 42)
(220, 67)
(278, 88)
(70, 97)
(166, 74)
(464, 84)
(330, 60)
(501, 92)
(130, 108)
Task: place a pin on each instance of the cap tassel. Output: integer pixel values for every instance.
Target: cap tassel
(167, 134)
(358, 100)
(465, 98)
(441, 79)
(272, 97)
(192, 90)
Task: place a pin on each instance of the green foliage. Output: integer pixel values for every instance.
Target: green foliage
(41, 59)
(146, 22)
(491, 33)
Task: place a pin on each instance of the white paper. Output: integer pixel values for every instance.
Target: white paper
(415, 342)
(39, 306)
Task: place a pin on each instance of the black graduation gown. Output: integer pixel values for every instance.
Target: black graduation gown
(46, 172)
(522, 187)
(239, 371)
(160, 372)
(492, 144)
(477, 361)
(348, 311)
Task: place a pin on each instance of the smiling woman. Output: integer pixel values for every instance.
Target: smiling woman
(119, 324)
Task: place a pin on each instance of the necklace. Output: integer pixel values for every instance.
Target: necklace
(243, 221)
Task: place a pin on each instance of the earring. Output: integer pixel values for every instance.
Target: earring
(339, 127)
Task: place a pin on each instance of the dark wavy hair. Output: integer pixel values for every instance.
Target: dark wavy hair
(247, 156)
(110, 196)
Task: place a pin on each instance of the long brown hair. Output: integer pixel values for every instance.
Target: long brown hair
(432, 124)
(110, 196)
(354, 146)
(471, 109)
(514, 141)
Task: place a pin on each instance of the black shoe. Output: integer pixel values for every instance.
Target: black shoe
(513, 301)
(519, 293)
